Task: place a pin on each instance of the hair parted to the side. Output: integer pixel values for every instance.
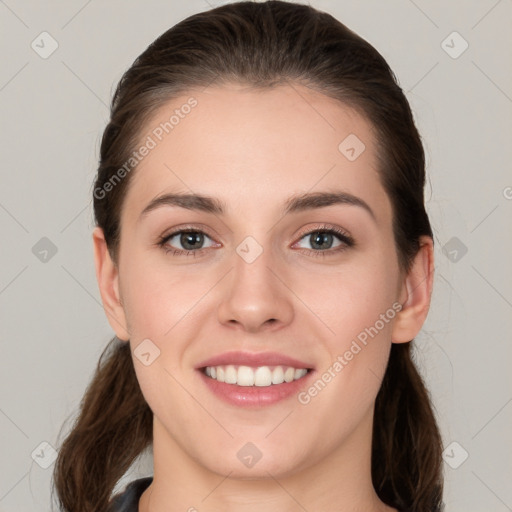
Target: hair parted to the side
(262, 45)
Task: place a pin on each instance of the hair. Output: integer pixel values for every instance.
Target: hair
(262, 45)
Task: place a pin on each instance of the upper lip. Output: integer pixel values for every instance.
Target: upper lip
(253, 359)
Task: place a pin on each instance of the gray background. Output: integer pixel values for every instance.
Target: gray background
(52, 326)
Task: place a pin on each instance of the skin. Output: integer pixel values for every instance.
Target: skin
(253, 150)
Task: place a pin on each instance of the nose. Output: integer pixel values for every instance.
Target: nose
(254, 295)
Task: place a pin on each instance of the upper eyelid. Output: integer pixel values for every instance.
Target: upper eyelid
(326, 226)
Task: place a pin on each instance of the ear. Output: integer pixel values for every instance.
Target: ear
(107, 276)
(415, 294)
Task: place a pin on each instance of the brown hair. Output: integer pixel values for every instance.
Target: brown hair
(262, 45)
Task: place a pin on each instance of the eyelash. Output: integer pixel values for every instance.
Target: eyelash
(347, 241)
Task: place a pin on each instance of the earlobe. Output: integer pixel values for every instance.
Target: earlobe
(107, 277)
(416, 293)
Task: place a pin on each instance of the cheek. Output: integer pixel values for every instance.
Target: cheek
(348, 302)
(357, 308)
(156, 298)
(357, 352)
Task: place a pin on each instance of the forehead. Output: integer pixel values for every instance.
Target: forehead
(252, 148)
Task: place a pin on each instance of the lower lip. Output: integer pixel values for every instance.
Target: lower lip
(254, 396)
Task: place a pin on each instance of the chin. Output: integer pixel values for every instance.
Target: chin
(248, 463)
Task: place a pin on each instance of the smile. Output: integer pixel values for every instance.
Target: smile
(261, 376)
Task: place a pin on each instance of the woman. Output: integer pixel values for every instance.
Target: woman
(265, 260)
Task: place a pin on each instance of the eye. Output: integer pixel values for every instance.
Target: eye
(321, 240)
(190, 239)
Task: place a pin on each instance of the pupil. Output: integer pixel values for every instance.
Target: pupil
(319, 237)
(191, 238)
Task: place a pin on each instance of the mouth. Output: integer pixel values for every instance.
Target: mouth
(261, 376)
(248, 379)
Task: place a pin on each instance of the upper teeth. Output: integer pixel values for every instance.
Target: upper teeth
(261, 376)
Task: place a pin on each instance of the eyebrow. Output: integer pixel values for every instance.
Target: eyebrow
(294, 204)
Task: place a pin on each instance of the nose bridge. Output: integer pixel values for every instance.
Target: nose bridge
(254, 295)
(252, 264)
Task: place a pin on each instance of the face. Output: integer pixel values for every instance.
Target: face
(264, 280)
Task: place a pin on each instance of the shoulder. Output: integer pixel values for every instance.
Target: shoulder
(128, 500)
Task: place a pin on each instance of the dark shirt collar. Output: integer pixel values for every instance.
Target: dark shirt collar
(128, 500)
